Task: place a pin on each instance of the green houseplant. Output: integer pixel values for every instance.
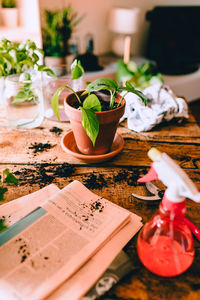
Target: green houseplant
(9, 13)
(59, 25)
(20, 78)
(95, 113)
(8, 3)
(141, 76)
(16, 58)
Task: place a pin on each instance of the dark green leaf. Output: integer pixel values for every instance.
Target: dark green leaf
(102, 84)
(92, 102)
(90, 123)
(3, 190)
(130, 88)
(3, 226)
(10, 178)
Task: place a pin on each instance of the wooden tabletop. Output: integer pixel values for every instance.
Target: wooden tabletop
(115, 180)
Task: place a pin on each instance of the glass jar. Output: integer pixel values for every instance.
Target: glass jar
(24, 111)
(50, 86)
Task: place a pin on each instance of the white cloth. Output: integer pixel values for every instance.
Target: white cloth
(162, 105)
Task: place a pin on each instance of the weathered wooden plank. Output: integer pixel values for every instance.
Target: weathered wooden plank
(115, 184)
(114, 180)
(185, 132)
(14, 148)
(188, 131)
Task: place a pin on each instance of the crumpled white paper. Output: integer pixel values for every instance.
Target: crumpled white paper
(163, 105)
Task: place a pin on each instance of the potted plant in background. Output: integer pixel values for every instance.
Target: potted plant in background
(56, 33)
(20, 74)
(142, 76)
(9, 13)
(95, 113)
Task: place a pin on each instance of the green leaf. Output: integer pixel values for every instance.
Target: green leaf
(55, 99)
(10, 178)
(122, 72)
(102, 84)
(131, 89)
(3, 226)
(20, 97)
(90, 123)
(3, 190)
(92, 102)
(76, 69)
(44, 68)
(9, 59)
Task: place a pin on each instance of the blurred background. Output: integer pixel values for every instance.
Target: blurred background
(165, 31)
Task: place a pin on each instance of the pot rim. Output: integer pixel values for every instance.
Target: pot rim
(96, 112)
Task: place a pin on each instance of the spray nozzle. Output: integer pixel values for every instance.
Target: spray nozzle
(179, 185)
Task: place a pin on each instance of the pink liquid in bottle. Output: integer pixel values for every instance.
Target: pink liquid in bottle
(165, 247)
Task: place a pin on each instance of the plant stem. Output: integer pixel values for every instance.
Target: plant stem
(77, 96)
(112, 97)
(122, 99)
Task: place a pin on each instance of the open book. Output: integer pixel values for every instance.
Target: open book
(61, 248)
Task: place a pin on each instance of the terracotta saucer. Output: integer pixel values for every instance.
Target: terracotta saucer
(69, 145)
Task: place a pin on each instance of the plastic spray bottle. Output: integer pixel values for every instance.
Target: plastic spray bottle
(165, 244)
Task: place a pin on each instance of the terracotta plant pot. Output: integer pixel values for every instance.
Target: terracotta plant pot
(108, 123)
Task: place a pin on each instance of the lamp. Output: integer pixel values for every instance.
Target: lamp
(124, 22)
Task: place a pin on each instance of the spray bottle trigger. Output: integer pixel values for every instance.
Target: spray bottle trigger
(151, 175)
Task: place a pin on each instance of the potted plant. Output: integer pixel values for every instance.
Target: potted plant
(56, 33)
(15, 58)
(20, 74)
(95, 113)
(141, 76)
(9, 13)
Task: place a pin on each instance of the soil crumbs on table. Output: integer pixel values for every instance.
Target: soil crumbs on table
(94, 181)
(43, 174)
(56, 130)
(130, 176)
(40, 147)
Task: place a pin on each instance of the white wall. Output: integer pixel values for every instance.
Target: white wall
(96, 16)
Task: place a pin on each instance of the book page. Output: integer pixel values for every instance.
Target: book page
(53, 242)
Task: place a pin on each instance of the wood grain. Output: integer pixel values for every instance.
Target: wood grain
(180, 141)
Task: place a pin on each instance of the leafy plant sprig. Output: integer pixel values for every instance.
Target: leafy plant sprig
(140, 76)
(3, 226)
(9, 178)
(76, 72)
(26, 93)
(91, 103)
(16, 58)
(59, 25)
